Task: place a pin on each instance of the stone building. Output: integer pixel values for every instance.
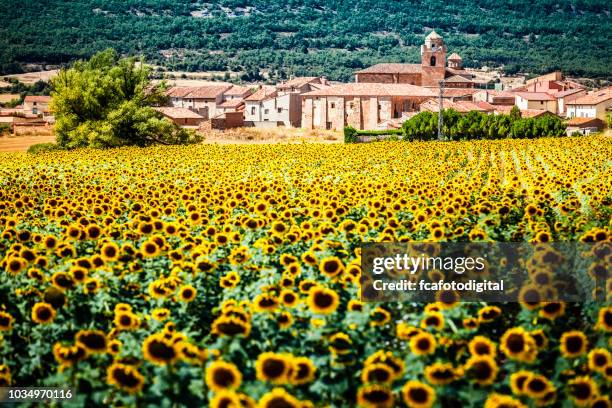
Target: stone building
(432, 69)
(361, 105)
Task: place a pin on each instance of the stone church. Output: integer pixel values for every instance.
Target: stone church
(433, 68)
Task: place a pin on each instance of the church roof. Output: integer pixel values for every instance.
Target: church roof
(392, 68)
(454, 56)
(433, 35)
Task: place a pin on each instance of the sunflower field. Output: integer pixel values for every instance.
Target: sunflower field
(228, 275)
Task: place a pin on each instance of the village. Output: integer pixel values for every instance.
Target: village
(382, 96)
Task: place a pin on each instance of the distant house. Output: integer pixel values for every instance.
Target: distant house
(181, 116)
(361, 105)
(6, 98)
(536, 100)
(525, 113)
(584, 126)
(201, 99)
(36, 105)
(495, 97)
(592, 105)
(280, 105)
(563, 97)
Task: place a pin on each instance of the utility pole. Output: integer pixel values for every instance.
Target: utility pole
(441, 110)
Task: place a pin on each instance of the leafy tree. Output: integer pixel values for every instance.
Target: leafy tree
(106, 102)
(609, 119)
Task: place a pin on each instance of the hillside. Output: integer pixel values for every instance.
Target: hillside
(316, 37)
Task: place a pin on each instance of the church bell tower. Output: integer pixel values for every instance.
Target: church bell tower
(433, 60)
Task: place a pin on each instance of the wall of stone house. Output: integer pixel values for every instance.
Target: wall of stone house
(431, 76)
(307, 112)
(336, 112)
(413, 79)
(353, 109)
(377, 78)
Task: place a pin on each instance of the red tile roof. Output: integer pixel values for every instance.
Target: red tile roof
(576, 121)
(232, 103)
(37, 98)
(238, 90)
(262, 94)
(198, 92)
(457, 78)
(178, 113)
(373, 89)
(454, 56)
(536, 96)
(525, 113)
(392, 68)
(460, 106)
(563, 94)
(593, 98)
(296, 82)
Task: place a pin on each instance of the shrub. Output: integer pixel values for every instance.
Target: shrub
(43, 148)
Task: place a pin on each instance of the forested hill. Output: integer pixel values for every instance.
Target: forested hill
(299, 37)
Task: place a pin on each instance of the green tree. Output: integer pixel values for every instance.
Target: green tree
(106, 102)
(609, 119)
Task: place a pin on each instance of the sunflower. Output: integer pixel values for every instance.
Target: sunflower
(289, 298)
(95, 341)
(331, 266)
(125, 377)
(582, 390)
(225, 399)
(482, 369)
(482, 346)
(231, 326)
(159, 350)
(418, 395)
(43, 313)
(221, 375)
(502, 401)
(284, 320)
(599, 359)
(433, 319)
(160, 314)
(303, 371)
(537, 386)
(6, 321)
(488, 313)
(322, 300)
(114, 347)
(187, 293)
(109, 252)
(518, 380)
(387, 358)
(604, 319)
(530, 296)
(377, 373)
(15, 265)
(552, 310)
(69, 355)
(278, 397)
(573, 344)
(440, 373)
(423, 343)
(379, 317)
(149, 248)
(375, 396)
(273, 367)
(517, 344)
(126, 320)
(602, 401)
(265, 302)
(340, 343)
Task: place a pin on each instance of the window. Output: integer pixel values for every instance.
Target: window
(279, 110)
(332, 105)
(267, 111)
(541, 102)
(34, 103)
(432, 61)
(252, 110)
(351, 105)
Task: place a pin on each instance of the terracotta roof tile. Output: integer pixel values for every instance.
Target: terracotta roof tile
(454, 56)
(178, 113)
(37, 98)
(265, 92)
(296, 82)
(392, 68)
(373, 89)
(536, 96)
(593, 98)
